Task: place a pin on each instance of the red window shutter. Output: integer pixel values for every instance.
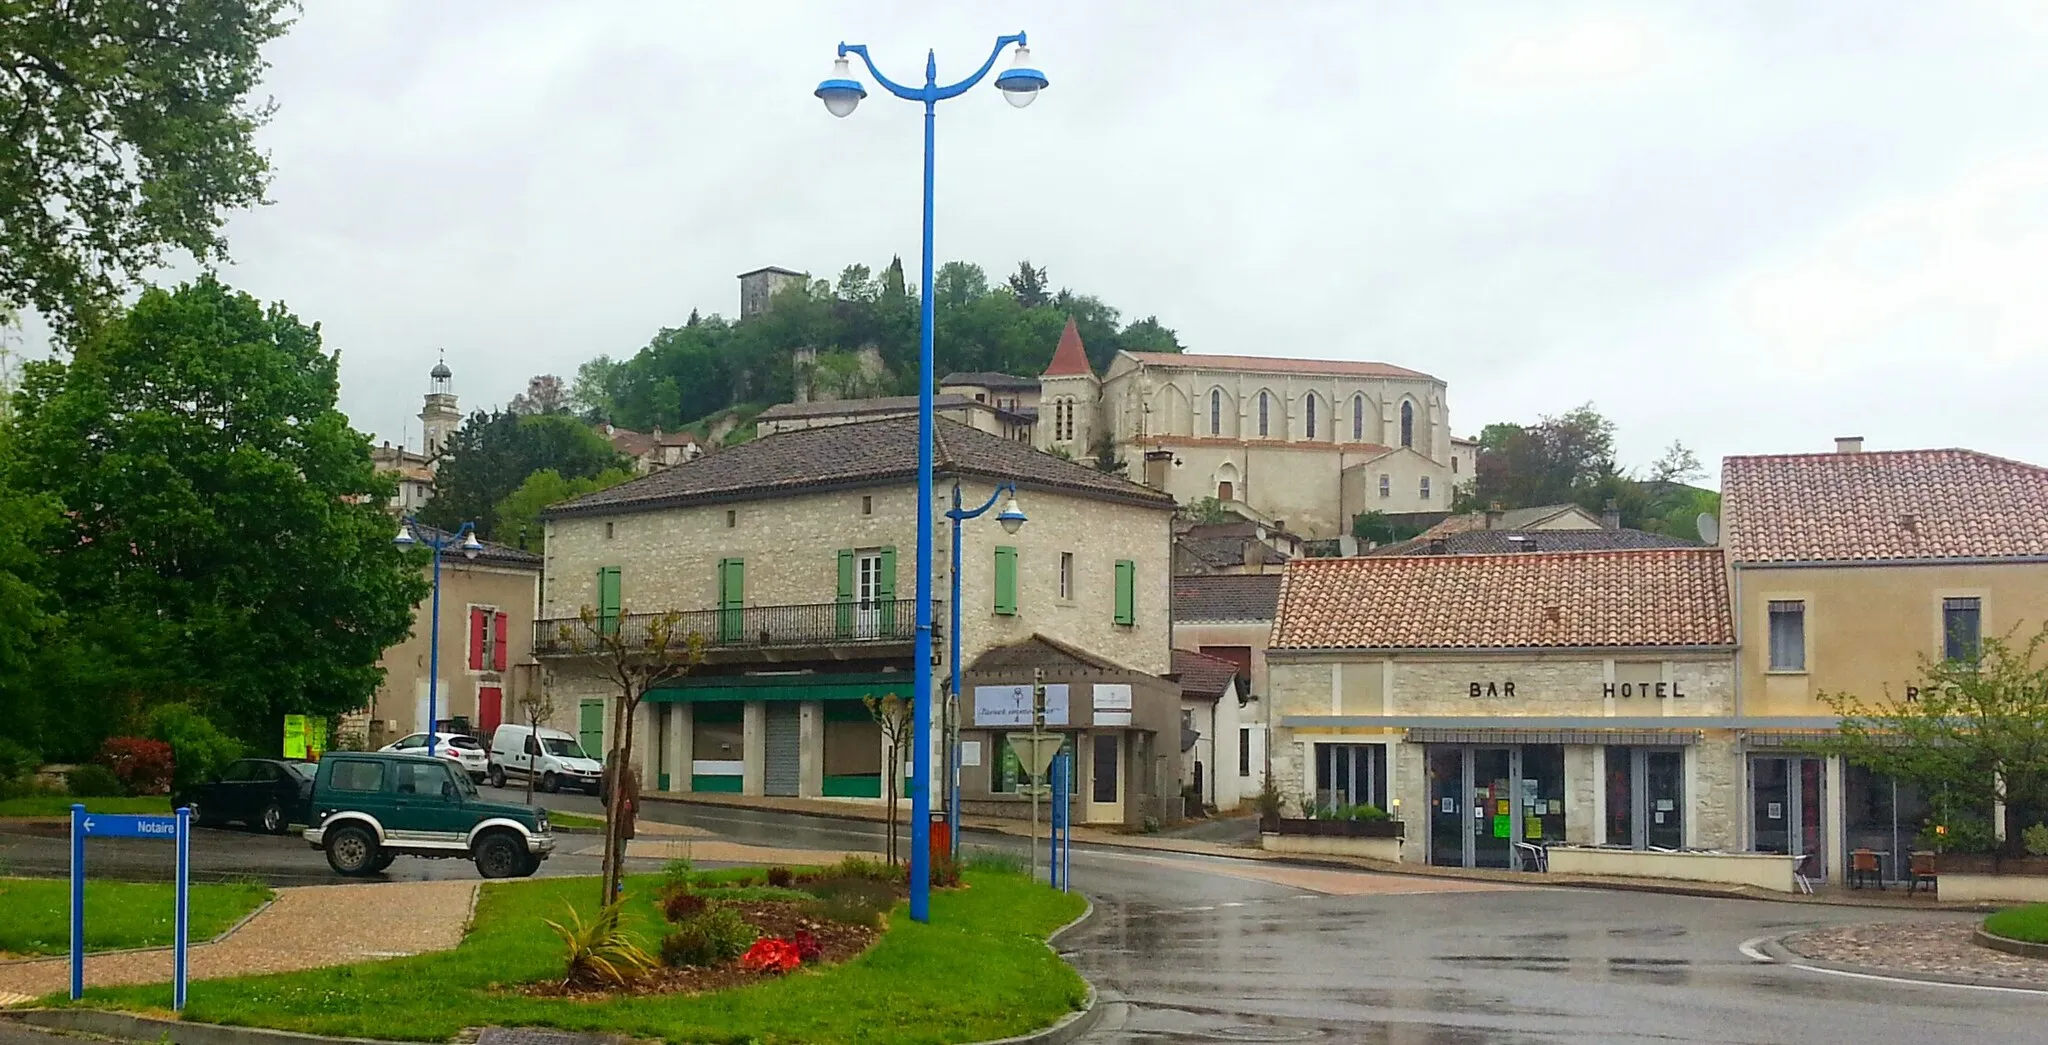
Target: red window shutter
(498, 643)
(476, 640)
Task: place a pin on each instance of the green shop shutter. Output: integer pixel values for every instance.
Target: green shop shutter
(842, 616)
(590, 727)
(608, 599)
(732, 599)
(1006, 580)
(1126, 591)
(885, 591)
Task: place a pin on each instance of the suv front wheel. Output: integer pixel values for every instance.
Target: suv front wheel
(351, 850)
(501, 854)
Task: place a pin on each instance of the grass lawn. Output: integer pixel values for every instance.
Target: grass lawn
(117, 914)
(979, 970)
(2028, 923)
(60, 805)
(576, 820)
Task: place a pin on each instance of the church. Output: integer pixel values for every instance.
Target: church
(1308, 443)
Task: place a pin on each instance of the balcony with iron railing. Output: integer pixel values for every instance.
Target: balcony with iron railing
(766, 631)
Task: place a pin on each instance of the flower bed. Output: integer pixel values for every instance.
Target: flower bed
(774, 919)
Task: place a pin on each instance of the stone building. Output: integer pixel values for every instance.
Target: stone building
(759, 286)
(993, 418)
(414, 469)
(652, 451)
(1493, 701)
(1219, 758)
(1850, 571)
(793, 556)
(1229, 617)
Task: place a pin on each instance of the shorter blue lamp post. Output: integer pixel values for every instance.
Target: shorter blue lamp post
(1012, 518)
(438, 541)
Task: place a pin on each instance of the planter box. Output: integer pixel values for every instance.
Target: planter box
(1331, 828)
(1946, 864)
(1383, 847)
(1763, 870)
(1980, 878)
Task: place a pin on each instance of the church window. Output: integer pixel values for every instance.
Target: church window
(1264, 427)
(1215, 411)
(1310, 408)
(1407, 424)
(1425, 488)
(1386, 485)
(1357, 419)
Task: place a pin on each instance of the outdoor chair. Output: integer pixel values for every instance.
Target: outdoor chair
(1864, 867)
(1803, 872)
(1922, 873)
(1534, 857)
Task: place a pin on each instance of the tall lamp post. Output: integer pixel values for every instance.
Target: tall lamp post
(439, 541)
(841, 93)
(1013, 520)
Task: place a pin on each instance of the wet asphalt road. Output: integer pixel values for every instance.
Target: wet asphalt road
(1193, 949)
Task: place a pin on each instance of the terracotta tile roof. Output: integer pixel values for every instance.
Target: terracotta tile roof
(858, 453)
(1637, 597)
(494, 554)
(1503, 542)
(1511, 519)
(1225, 552)
(1202, 675)
(1069, 357)
(1226, 596)
(1275, 365)
(1882, 505)
(878, 405)
(992, 380)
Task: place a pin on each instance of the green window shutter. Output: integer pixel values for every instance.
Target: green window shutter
(1126, 591)
(843, 615)
(732, 599)
(608, 599)
(885, 590)
(1006, 580)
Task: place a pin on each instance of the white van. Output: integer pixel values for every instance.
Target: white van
(554, 757)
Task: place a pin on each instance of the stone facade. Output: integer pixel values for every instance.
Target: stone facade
(400, 705)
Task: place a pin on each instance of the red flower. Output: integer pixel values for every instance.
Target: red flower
(771, 954)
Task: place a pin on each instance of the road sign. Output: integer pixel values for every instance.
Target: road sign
(177, 828)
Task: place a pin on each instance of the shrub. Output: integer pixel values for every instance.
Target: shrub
(1362, 814)
(601, 953)
(851, 901)
(781, 877)
(682, 905)
(1150, 824)
(142, 765)
(945, 874)
(2035, 838)
(93, 781)
(199, 749)
(861, 867)
(995, 860)
(1959, 835)
(1269, 799)
(16, 761)
(807, 946)
(712, 938)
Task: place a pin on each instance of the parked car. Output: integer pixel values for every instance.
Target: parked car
(265, 793)
(370, 808)
(555, 758)
(456, 747)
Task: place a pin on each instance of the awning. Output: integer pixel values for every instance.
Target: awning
(1621, 737)
(691, 690)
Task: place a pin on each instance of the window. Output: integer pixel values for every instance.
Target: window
(608, 531)
(1425, 488)
(1066, 575)
(1244, 751)
(1264, 426)
(732, 518)
(1006, 773)
(732, 599)
(1215, 411)
(867, 505)
(1309, 413)
(1454, 466)
(1407, 424)
(1126, 591)
(1006, 580)
(1357, 419)
(1386, 485)
(1351, 775)
(1788, 635)
(357, 776)
(1645, 798)
(420, 778)
(1961, 628)
(487, 629)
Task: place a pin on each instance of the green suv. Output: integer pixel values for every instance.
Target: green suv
(369, 808)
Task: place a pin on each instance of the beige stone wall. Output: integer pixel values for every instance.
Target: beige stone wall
(1714, 772)
(1155, 401)
(400, 698)
(1405, 471)
(1867, 628)
(1193, 635)
(1565, 683)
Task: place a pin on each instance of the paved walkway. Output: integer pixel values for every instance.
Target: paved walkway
(304, 928)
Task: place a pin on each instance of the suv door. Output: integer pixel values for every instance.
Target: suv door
(354, 783)
(427, 805)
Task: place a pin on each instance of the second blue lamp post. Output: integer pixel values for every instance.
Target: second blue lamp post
(841, 93)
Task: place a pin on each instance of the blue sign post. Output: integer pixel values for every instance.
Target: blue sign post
(1062, 838)
(176, 829)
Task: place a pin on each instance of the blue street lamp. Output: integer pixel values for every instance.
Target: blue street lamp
(1012, 519)
(840, 92)
(438, 541)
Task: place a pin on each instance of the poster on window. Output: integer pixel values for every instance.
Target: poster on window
(1010, 706)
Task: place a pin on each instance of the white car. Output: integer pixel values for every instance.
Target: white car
(456, 747)
(553, 758)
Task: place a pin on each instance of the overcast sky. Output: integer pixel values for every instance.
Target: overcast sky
(1751, 227)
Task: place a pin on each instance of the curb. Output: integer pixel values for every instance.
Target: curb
(1782, 955)
(2023, 948)
(177, 1032)
(1073, 1024)
(222, 935)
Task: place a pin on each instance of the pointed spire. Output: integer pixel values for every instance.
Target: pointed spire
(1069, 358)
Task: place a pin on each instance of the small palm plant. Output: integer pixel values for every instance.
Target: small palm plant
(600, 953)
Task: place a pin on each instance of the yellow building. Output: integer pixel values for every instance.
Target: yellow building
(1850, 571)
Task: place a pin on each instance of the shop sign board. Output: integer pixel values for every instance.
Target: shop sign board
(1011, 705)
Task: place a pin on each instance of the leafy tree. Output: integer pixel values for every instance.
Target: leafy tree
(129, 131)
(223, 537)
(1973, 733)
(545, 394)
(492, 453)
(1207, 511)
(1677, 465)
(28, 622)
(599, 382)
(1377, 529)
(1104, 455)
(1028, 285)
(518, 515)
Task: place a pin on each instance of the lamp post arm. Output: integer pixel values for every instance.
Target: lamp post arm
(931, 92)
(944, 93)
(960, 513)
(909, 94)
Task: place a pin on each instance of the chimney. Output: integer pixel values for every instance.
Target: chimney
(1494, 515)
(1848, 444)
(1610, 516)
(1254, 557)
(1156, 464)
(1438, 546)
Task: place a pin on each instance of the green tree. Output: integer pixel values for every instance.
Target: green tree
(28, 621)
(1028, 285)
(1208, 511)
(129, 131)
(598, 384)
(519, 513)
(492, 453)
(1376, 529)
(223, 538)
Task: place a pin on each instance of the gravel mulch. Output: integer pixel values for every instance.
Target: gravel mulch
(1924, 947)
(837, 942)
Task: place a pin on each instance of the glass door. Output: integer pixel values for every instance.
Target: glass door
(1493, 838)
(1786, 808)
(1449, 800)
(1664, 795)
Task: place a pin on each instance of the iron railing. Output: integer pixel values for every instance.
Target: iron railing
(822, 624)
